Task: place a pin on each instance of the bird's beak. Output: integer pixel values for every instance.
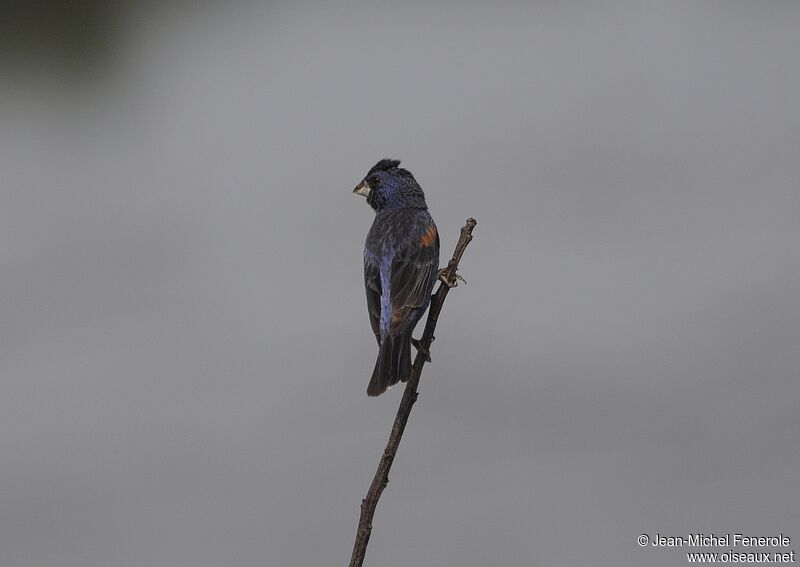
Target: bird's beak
(362, 189)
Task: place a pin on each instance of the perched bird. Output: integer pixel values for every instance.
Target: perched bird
(401, 261)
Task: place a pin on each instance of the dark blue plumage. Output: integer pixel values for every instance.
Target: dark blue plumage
(401, 261)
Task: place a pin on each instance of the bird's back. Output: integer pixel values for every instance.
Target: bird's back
(392, 229)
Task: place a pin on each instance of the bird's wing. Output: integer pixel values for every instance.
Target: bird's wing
(413, 269)
(372, 283)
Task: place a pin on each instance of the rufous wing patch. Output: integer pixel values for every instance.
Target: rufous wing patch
(429, 236)
(399, 315)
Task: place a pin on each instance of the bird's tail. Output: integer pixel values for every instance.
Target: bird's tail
(393, 364)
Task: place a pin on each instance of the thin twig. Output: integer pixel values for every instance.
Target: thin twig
(449, 279)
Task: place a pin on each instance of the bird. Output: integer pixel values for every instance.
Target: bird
(401, 260)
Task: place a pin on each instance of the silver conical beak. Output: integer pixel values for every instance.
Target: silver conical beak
(362, 189)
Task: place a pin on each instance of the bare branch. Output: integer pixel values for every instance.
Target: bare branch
(449, 279)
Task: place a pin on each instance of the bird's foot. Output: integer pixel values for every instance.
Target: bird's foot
(421, 348)
(456, 278)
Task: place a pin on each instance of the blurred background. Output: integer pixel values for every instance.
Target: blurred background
(184, 344)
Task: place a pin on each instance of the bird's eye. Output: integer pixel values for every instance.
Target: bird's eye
(374, 181)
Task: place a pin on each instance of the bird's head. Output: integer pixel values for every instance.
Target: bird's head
(388, 186)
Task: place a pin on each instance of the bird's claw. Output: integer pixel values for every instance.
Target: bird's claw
(421, 348)
(456, 278)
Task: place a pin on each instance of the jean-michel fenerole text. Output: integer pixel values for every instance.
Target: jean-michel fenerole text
(720, 540)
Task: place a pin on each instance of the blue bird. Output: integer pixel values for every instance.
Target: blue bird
(401, 261)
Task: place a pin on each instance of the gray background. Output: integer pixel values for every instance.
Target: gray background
(184, 345)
